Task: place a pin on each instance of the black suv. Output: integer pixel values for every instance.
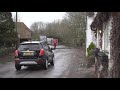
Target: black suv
(33, 53)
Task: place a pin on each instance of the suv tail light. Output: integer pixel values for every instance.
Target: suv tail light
(16, 53)
(42, 52)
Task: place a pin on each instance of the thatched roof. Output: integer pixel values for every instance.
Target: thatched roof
(23, 31)
(99, 20)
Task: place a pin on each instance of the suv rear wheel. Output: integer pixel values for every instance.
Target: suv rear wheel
(18, 67)
(45, 64)
(53, 60)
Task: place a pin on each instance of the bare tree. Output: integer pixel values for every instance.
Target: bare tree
(38, 29)
(70, 30)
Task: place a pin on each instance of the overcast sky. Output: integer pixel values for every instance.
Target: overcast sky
(30, 17)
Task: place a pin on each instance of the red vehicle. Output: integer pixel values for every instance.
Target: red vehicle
(55, 43)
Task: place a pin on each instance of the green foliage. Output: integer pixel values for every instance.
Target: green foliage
(7, 29)
(84, 45)
(69, 31)
(90, 49)
(4, 51)
(35, 36)
(90, 57)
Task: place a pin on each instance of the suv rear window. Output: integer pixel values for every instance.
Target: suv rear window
(30, 46)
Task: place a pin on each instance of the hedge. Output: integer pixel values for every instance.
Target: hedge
(5, 51)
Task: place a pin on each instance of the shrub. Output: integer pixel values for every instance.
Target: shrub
(90, 57)
(90, 49)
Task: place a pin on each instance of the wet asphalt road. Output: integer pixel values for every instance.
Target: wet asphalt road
(68, 64)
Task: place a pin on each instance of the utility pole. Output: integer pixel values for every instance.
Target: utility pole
(16, 32)
(16, 21)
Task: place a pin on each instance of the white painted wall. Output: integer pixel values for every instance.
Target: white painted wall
(106, 37)
(98, 37)
(90, 37)
(109, 28)
(89, 34)
(107, 41)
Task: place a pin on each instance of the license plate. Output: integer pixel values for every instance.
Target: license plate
(28, 54)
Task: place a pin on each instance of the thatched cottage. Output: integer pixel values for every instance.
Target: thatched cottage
(24, 32)
(106, 25)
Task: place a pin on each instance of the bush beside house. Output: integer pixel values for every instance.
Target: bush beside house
(90, 57)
